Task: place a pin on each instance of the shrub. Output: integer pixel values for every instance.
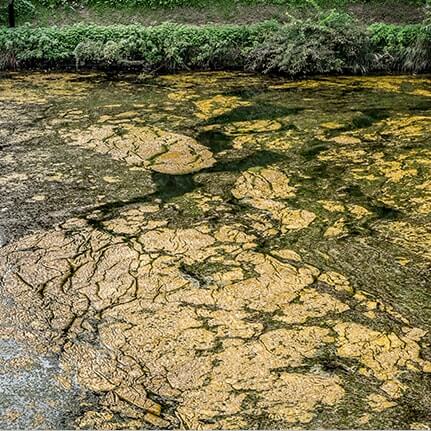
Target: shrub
(418, 55)
(401, 48)
(330, 43)
(167, 46)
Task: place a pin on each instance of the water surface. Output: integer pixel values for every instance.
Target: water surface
(215, 250)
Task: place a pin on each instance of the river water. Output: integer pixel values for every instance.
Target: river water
(215, 250)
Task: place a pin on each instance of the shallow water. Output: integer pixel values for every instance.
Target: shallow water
(215, 250)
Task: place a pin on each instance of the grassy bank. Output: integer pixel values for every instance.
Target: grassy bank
(45, 13)
(325, 43)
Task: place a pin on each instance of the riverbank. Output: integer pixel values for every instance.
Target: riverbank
(290, 37)
(325, 43)
(46, 13)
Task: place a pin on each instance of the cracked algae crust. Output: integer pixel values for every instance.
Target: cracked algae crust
(162, 331)
(266, 190)
(228, 306)
(152, 319)
(160, 151)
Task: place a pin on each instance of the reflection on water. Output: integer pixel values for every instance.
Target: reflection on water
(217, 250)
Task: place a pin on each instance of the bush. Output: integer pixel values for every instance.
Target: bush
(163, 47)
(24, 8)
(330, 43)
(401, 48)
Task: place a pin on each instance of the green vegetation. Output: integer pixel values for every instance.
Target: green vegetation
(321, 41)
(324, 44)
(327, 43)
(46, 13)
(199, 3)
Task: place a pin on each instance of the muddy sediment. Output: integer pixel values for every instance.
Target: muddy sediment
(215, 250)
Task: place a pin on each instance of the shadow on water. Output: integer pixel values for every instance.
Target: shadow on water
(368, 117)
(172, 186)
(215, 140)
(261, 111)
(313, 148)
(259, 158)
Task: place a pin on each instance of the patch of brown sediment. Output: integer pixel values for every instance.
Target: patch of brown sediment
(423, 200)
(278, 141)
(253, 126)
(337, 230)
(130, 290)
(332, 125)
(308, 84)
(199, 80)
(130, 221)
(395, 174)
(392, 84)
(403, 187)
(357, 211)
(241, 129)
(182, 95)
(332, 206)
(406, 127)
(395, 170)
(346, 140)
(69, 117)
(263, 184)
(202, 202)
(383, 355)
(276, 134)
(160, 151)
(336, 281)
(352, 154)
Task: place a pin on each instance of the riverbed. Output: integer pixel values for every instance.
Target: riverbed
(215, 251)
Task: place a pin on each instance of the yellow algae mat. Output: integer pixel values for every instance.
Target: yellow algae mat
(215, 251)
